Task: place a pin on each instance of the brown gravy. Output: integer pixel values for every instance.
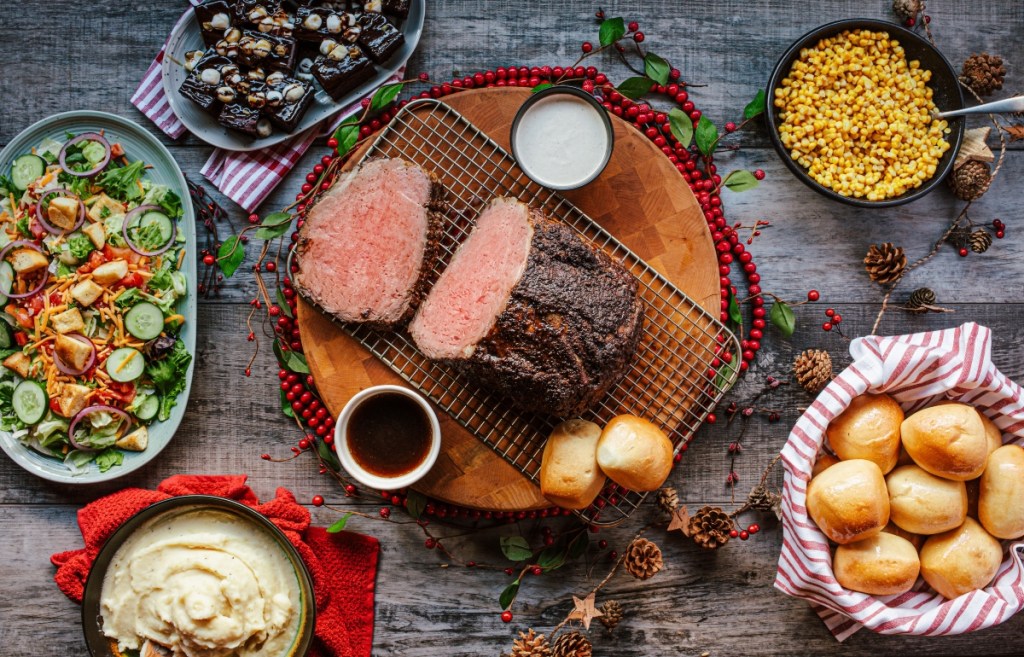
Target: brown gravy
(389, 434)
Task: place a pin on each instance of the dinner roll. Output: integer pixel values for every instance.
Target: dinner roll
(634, 453)
(922, 503)
(947, 440)
(916, 539)
(1001, 493)
(869, 429)
(961, 560)
(569, 474)
(992, 432)
(824, 462)
(885, 564)
(848, 501)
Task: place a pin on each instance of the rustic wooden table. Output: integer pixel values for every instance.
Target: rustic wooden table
(61, 56)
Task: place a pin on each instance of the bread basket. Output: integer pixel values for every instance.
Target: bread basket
(917, 370)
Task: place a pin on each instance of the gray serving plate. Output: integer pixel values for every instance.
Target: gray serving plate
(186, 36)
(138, 145)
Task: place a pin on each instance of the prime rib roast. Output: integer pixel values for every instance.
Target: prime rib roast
(370, 242)
(527, 308)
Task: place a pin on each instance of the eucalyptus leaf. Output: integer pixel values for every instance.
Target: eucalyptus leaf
(553, 558)
(656, 68)
(276, 219)
(339, 524)
(515, 548)
(635, 87)
(725, 372)
(541, 87)
(707, 134)
(282, 303)
(347, 135)
(740, 180)
(273, 232)
(756, 106)
(781, 315)
(415, 502)
(286, 406)
(735, 316)
(230, 256)
(292, 361)
(681, 125)
(612, 29)
(328, 456)
(384, 96)
(508, 596)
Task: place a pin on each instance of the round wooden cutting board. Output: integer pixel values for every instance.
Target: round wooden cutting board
(640, 198)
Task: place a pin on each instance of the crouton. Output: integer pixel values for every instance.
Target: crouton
(136, 441)
(86, 293)
(103, 206)
(74, 353)
(96, 235)
(110, 272)
(73, 399)
(63, 212)
(19, 363)
(68, 321)
(26, 261)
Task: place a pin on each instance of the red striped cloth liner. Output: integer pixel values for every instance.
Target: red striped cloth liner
(917, 370)
(247, 178)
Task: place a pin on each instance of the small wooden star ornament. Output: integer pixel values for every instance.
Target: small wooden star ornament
(680, 520)
(585, 610)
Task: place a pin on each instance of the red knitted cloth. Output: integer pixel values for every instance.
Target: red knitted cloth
(343, 566)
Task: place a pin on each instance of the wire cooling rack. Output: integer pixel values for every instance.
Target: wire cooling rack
(682, 367)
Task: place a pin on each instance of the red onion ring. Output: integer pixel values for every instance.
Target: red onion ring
(45, 223)
(128, 219)
(46, 272)
(125, 419)
(85, 136)
(69, 371)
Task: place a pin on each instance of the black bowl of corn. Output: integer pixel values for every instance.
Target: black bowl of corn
(851, 112)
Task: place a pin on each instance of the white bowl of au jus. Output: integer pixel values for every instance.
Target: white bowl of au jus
(562, 138)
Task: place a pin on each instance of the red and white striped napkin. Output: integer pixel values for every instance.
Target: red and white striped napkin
(247, 178)
(917, 370)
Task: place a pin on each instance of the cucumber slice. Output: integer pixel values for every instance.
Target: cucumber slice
(148, 409)
(145, 321)
(6, 280)
(26, 169)
(6, 335)
(30, 401)
(158, 219)
(125, 364)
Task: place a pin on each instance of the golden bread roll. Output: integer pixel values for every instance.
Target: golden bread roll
(885, 564)
(634, 453)
(947, 440)
(869, 429)
(1001, 493)
(569, 474)
(824, 462)
(992, 432)
(848, 501)
(961, 560)
(922, 503)
(915, 539)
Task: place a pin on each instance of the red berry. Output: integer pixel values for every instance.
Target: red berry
(430, 544)
(271, 266)
(674, 74)
(744, 535)
(911, 22)
(831, 312)
(1000, 234)
(424, 77)
(711, 419)
(318, 500)
(813, 295)
(274, 311)
(633, 26)
(385, 512)
(730, 127)
(332, 143)
(254, 218)
(759, 174)
(536, 570)
(265, 457)
(963, 253)
(827, 326)
(506, 616)
(733, 533)
(754, 528)
(208, 259)
(587, 47)
(638, 37)
(837, 319)
(350, 489)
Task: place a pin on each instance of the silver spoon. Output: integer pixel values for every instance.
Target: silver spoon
(1005, 106)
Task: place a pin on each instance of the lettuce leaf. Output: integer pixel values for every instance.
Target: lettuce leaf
(168, 377)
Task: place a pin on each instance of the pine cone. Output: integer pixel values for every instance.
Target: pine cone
(970, 180)
(572, 644)
(920, 298)
(710, 527)
(611, 615)
(885, 263)
(643, 559)
(530, 644)
(980, 240)
(762, 499)
(668, 500)
(906, 9)
(983, 73)
(813, 370)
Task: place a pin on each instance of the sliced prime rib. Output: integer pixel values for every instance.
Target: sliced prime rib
(527, 308)
(370, 242)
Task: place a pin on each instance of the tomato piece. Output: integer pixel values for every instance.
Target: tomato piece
(36, 229)
(95, 260)
(55, 405)
(36, 305)
(133, 279)
(21, 338)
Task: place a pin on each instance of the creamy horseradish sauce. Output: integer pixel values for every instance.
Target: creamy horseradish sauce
(561, 141)
(204, 583)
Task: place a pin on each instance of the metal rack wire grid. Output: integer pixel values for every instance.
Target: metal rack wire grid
(686, 358)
